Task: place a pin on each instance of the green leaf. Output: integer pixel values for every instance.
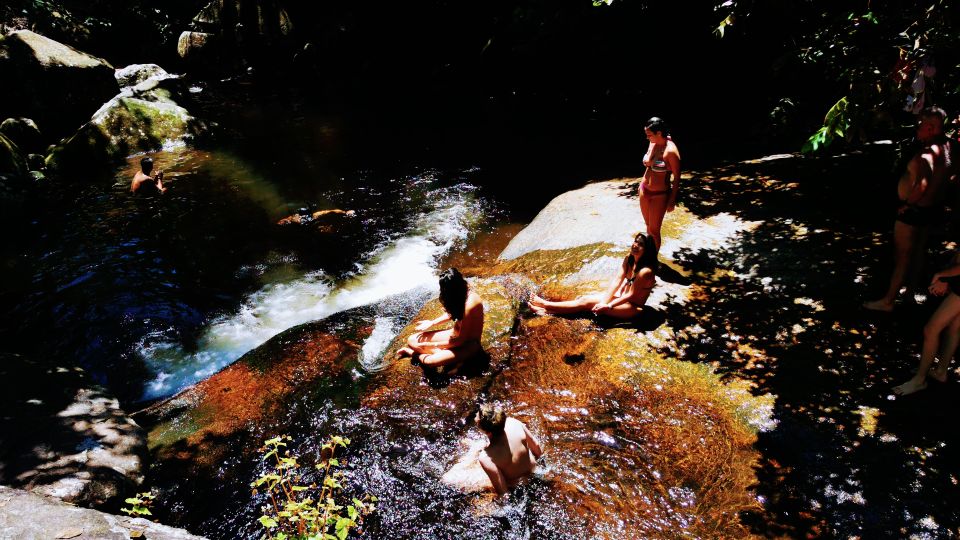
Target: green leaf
(132, 500)
(268, 522)
(722, 27)
(334, 462)
(343, 527)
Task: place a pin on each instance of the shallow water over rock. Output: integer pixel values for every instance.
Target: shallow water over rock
(637, 444)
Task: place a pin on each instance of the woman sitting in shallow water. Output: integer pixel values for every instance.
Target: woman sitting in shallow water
(449, 347)
(626, 296)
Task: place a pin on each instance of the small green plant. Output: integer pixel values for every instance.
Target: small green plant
(141, 504)
(293, 512)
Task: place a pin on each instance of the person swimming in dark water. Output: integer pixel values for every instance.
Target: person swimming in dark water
(145, 184)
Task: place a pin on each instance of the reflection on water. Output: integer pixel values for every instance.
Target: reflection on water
(403, 264)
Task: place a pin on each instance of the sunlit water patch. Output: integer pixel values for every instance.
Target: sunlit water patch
(400, 265)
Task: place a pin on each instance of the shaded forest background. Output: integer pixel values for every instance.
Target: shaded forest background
(538, 82)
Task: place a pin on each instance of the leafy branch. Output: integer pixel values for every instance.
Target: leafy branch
(294, 513)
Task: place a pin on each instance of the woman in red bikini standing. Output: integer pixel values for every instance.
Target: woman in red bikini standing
(658, 195)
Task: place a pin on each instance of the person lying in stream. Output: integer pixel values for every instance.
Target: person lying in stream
(449, 348)
(627, 294)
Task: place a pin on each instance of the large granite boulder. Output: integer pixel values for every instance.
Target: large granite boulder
(28, 516)
(52, 83)
(141, 118)
(135, 74)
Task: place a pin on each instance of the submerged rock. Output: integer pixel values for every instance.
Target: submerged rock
(52, 83)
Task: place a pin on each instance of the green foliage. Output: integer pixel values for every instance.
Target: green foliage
(872, 55)
(836, 124)
(141, 504)
(298, 512)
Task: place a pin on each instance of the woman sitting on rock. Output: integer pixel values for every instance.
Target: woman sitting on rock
(449, 347)
(627, 294)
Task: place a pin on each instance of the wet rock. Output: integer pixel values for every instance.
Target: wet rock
(400, 385)
(52, 83)
(67, 438)
(311, 375)
(625, 428)
(28, 515)
(135, 74)
(24, 132)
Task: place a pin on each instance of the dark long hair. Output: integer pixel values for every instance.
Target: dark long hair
(453, 293)
(657, 125)
(647, 260)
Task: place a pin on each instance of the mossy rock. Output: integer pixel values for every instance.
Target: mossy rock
(128, 124)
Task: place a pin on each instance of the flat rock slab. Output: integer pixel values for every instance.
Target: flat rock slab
(28, 516)
(595, 213)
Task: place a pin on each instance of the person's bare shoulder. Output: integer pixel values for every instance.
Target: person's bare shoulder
(672, 149)
(474, 301)
(646, 275)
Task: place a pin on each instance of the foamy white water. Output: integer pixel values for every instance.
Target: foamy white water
(405, 264)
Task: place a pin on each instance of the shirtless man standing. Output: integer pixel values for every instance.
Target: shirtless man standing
(921, 191)
(449, 347)
(512, 452)
(143, 180)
